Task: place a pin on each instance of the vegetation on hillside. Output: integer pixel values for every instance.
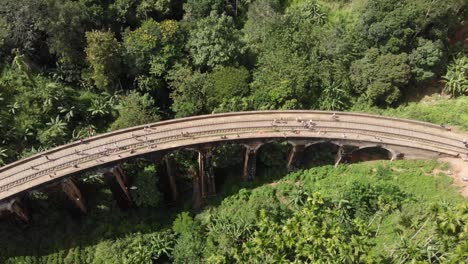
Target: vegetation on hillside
(71, 69)
(435, 109)
(377, 212)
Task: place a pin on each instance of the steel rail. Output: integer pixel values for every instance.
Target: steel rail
(426, 134)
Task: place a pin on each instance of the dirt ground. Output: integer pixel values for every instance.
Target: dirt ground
(459, 171)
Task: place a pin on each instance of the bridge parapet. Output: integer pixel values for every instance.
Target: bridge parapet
(414, 139)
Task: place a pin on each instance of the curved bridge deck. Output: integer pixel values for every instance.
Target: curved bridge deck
(413, 139)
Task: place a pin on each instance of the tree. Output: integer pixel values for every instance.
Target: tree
(122, 14)
(381, 77)
(426, 59)
(227, 82)
(135, 109)
(308, 11)
(393, 25)
(189, 91)
(21, 16)
(152, 47)
(197, 9)
(146, 192)
(214, 41)
(65, 24)
(315, 234)
(4, 32)
(40, 111)
(261, 17)
(103, 53)
(284, 80)
(153, 8)
(288, 69)
(387, 25)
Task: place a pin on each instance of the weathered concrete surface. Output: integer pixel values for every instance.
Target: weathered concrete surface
(404, 138)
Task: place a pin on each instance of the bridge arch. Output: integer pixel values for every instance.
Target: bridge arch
(373, 152)
(274, 153)
(413, 139)
(321, 152)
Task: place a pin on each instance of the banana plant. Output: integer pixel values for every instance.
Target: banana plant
(13, 108)
(57, 123)
(3, 155)
(99, 108)
(456, 79)
(69, 114)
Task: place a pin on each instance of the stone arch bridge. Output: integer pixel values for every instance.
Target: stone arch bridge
(404, 139)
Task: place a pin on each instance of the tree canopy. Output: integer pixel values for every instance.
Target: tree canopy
(71, 69)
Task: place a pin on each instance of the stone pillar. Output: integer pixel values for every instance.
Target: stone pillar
(206, 172)
(295, 157)
(197, 196)
(121, 179)
(74, 194)
(396, 156)
(343, 154)
(117, 180)
(20, 211)
(250, 163)
(339, 156)
(14, 206)
(172, 178)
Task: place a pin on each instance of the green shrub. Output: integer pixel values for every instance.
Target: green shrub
(146, 192)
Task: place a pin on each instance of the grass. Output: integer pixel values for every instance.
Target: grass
(413, 177)
(436, 109)
(55, 236)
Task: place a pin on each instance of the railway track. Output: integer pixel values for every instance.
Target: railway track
(110, 147)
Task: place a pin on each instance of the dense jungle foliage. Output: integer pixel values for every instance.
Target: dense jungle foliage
(70, 69)
(74, 68)
(398, 212)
